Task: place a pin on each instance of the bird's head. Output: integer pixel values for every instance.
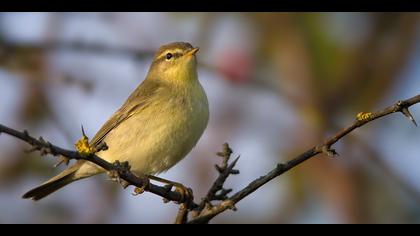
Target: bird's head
(174, 62)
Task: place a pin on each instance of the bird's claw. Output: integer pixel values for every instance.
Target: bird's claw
(186, 193)
(114, 175)
(140, 190)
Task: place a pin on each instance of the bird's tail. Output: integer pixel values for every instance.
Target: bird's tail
(55, 183)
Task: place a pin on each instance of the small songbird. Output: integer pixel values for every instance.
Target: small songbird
(156, 127)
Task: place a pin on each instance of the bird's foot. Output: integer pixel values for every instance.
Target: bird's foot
(114, 174)
(140, 190)
(186, 193)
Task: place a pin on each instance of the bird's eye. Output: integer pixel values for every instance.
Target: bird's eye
(169, 56)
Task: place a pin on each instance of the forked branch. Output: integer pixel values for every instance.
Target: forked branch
(207, 209)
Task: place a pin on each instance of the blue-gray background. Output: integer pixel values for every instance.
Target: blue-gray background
(277, 85)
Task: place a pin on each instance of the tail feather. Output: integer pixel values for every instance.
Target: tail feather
(55, 183)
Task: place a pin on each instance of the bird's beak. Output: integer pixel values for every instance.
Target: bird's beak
(193, 51)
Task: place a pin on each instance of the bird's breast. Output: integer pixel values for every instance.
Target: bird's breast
(161, 134)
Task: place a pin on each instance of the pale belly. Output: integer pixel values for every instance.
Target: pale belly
(155, 140)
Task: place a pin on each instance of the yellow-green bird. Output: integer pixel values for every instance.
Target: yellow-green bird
(156, 127)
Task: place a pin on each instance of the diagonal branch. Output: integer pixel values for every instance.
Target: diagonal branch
(325, 147)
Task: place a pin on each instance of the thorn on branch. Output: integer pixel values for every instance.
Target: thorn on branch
(44, 147)
(223, 194)
(230, 167)
(83, 131)
(225, 164)
(329, 151)
(61, 160)
(25, 134)
(51, 150)
(41, 140)
(280, 167)
(218, 168)
(234, 172)
(407, 114)
(402, 106)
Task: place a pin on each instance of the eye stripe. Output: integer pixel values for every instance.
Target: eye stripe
(174, 52)
(177, 54)
(174, 55)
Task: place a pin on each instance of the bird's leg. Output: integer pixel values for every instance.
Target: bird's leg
(122, 167)
(186, 193)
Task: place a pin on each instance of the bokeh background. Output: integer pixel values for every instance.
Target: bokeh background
(278, 83)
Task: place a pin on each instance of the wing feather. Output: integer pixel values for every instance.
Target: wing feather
(137, 101)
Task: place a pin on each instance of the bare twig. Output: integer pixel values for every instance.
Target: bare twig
(182, 215)
(208, 214)
(225, 170)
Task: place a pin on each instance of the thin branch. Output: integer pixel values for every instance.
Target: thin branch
(47, 148)
(182, 215)
(400, 106)
(225, 170)
(217, 192)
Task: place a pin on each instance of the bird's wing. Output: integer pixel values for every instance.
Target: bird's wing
(137, 101)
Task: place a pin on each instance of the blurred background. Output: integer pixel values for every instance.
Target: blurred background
(277, 83)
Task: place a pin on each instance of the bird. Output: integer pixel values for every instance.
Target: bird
(155, 128)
